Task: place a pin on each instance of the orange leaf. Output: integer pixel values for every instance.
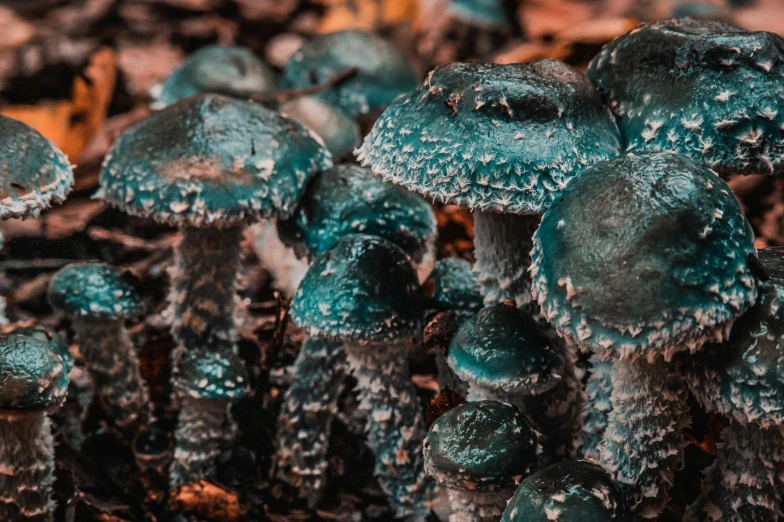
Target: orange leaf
(366, 14)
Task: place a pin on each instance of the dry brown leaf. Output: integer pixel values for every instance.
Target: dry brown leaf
(366, 14)
(206, 500)
(597, 32)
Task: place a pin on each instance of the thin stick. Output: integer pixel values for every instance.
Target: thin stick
(285, 95)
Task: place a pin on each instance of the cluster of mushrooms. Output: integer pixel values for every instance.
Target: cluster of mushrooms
(605, 232)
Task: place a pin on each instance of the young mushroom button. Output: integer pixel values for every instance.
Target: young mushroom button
(455, 288)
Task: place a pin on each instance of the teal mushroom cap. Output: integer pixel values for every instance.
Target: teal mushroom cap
(34, 173)
(646, 254)
(349, 199)
(503, 138)
(455, 286)
(503, 348)
(743, 378)
(570, 491)
(701, 88)
(32, 375)
(340, 133)
(210, 160)
(56, 342)
(480, 446)
(219, 69)
(383, 71)
(364, 289)
(212, 374)
(96, 291)
(483, 12)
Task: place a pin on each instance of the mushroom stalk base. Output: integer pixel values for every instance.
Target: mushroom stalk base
(597, 408)
(26, 468)
(395, 426)
(643, 444)
(306, 416)
(201, 433)
(472, 506)
(503, 254)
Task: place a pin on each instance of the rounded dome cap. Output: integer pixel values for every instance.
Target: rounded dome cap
(96, 291)
(502, 138)
(56, 342)
(232, 71)
(482, 12)
(570, 491)
(212, 374)
(383, 71)
(32, 375)
(644, 254)
(210, 160)
(34, 173)
(455, 286)
(340, 133)
(701, 88)
(480, 446)
(363, 289)
(348, 199)
(502, 348)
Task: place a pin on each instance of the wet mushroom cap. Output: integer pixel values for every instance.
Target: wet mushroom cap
(363, 289)
(502, 348)
(702, 88)
(383, 71)
(56, 342)
(210, 160)
(32, 375)
(644, 254)
(232, 71)
(340, 133)
(570, 491)
(480, 446)
(34, 173)
(480, 12)
(455, 286)
(96, 291)
(502, 138)
(212, 374)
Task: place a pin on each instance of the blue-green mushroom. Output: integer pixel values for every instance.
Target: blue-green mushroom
(455, 288)
(596, 411)
(340, 133)
(639, 258)
(33, 382)
(482, 12)
(56, 342)
(701, 88)
(479, 451)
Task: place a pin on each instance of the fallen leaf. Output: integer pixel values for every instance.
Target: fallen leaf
(206, 500)
(366, 14)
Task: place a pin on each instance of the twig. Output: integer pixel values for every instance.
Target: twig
(34, 264)
(281, 322)
(132, 242)
(285, 95)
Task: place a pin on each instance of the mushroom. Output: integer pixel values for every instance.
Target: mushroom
(56, 342)
(455, 288)
(742, 379)
(596, 411)
(639, 258)
(339, 132)
(363, 293)
(479, 451)
(33, 382)
(98, 299)
(483, 13)
(577, 490)
(701, 88)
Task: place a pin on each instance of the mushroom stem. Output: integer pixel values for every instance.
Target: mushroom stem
(306, 416)
(740, 485)
(395, 425)
(26, 467)
(597, 408)
(111, 360)
(474, 506)
(502, 246)
(644, 442)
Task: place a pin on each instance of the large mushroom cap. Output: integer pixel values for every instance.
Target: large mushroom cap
(56, 342)
(216, 374)
(96, 291)
(210, 160)
(455, 286)
(480, 446)
(383, 71)
(232, 71)
(704, 89)
(644, 254)
(34, 173)
(351, 200)
(363, 289)
(340, 133)
(32, 375)
(502, 348)
(743, 378)
(502, 138)
(570, 491)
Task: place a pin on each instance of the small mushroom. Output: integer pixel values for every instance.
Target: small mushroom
(479, 451)
(570, 491)
(340, 133)
(98, 299)
(455, 288)
(598, 404)
(33, 382)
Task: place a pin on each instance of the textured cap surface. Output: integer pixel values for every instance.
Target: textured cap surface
(340, 133)
(455, 286)
(32, 376)
(212, 374)
(56, 342)
(97, 291)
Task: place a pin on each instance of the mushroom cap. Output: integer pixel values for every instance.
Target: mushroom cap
(340, 133)
(570, 491)
(383, 71)
(364, 289)
(34, 173)
(743, 378)
(348, 199)
(219, 69)
(705, 89)
(480, 12)
(456, 287)
(644, 254)
(32, 375)
(480, 446)
(56, 342)
(210, 160)
(215, 374)
(96, 291)
(503, 138)
(503, 348)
